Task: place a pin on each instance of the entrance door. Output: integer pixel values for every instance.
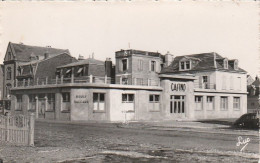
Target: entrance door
(177, 106)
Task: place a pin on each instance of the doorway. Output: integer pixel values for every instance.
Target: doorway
(177, 105)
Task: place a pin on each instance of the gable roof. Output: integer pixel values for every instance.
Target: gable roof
(84, 62)
(24, 52)
(206, 62)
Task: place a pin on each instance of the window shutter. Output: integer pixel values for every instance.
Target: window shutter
(150, 62)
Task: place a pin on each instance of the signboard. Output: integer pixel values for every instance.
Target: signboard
(81, 99)
(178, 87)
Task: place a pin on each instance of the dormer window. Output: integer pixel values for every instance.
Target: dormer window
(236, 65)
(185, 65)
(225, 64)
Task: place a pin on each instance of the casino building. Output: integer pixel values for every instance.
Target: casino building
(141, 86)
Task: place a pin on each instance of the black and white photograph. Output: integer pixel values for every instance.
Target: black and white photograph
(129, 81)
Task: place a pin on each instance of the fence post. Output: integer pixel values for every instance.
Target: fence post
(7, 127)
(31, 130)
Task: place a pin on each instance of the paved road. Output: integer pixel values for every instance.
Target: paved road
(114, 143)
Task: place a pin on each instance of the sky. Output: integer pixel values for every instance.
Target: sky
(230, 29)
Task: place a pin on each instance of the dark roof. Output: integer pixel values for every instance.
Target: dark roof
(205, 62)
(24, 52)
(84, 62)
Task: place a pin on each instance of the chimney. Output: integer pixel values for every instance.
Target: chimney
(80, 57)
(168, 59)
(46, 55)
(215, 63)
(93, 55)
(108, 67)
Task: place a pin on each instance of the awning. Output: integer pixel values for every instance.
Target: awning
(80, 70)
(68, 71)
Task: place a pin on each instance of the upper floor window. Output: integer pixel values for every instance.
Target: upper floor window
(140, 65)
(9, 57)
(124, 64)
(185, 65)
(153, 65)
(99, 101)
(225, 64)
(66, 97)
(154, 98)
(9, 73)
(19, 102)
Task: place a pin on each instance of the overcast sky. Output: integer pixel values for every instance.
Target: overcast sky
(228, 28)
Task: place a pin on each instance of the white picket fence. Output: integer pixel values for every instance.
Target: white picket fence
(17, 129)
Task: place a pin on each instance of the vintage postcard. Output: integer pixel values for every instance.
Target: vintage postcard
(129, 81)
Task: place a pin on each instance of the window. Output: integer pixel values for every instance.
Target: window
(198, 102)
(187, 65)
(65, 102)
(153, 66)
(177, 104)
(99, 101)
(80, 71)
(140, 65)
(154, 102)
(51, 102)
(9, 56)
(154, 98)
(7, 89)
(224, 103)
(182, 66)
(66, 97)
(236, 103)
(8, 73)
(210, 103)
(205, 84)
(124, 63)
(124, 81)
(225, 64)
(252, 104)
(19, 102)
(127, 98)
(32, 102)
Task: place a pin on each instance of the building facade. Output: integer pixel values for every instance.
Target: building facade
(253, 97)
(29, 62)
(148, 86)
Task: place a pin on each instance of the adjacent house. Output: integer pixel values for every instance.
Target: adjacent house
(253, 97)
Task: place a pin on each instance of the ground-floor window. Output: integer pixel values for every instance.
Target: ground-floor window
(99, 101)
(154, 102)
(236, 103)
(198, 102)
(51, 102)
(177, 104)
(32, 102)
(19, 102)
(210, 103)
(128, 102)
(65, 101)
(224, 103)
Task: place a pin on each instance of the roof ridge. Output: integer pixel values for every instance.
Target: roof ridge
(36, 46)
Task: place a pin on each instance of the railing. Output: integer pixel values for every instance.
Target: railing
(205, 85)
(87, 79)
(17, 129)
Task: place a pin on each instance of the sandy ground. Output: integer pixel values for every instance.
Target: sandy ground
(103, 142)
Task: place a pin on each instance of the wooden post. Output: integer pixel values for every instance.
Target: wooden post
(72, 75)
(105, 79)
(37, 107)
(31, 130)
(28, 84)
(90, 78)
(61, 79)
(7, 126)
